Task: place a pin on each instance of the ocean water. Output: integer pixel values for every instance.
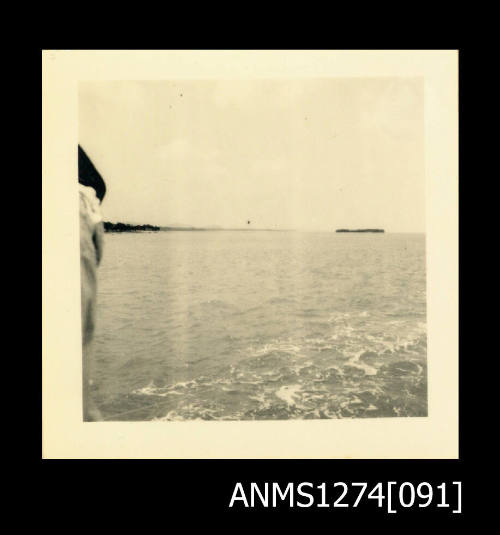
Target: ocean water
(258, 325)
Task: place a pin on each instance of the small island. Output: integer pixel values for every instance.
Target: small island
(125, 227)
(360, 230)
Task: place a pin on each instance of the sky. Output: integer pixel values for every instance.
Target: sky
(304, 154)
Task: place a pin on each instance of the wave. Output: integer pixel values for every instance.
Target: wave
(297, 378)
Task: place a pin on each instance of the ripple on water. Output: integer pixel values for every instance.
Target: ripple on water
(335, 329)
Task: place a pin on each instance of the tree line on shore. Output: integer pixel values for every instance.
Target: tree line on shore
(125, 227)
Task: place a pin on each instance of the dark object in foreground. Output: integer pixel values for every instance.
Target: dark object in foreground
(91, 243)
(125, 227)
(88, 175)
(361, 230)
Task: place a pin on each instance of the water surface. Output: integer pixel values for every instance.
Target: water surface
(261, 325)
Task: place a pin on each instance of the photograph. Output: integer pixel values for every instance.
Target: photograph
(252, 248)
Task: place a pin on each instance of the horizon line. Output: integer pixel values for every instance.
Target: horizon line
(184, 228)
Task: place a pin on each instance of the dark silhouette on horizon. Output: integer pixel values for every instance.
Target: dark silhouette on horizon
(125, 227)
(360, 230)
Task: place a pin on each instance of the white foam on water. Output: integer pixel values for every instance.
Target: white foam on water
(264, 403)
(356, 363)
(192, 411)
(339, 316)
(261, 398)
(153, 391)
(148, 390)
(278, 345)
(338, 369)
(288, 393)
(296, 368)
(184, 384)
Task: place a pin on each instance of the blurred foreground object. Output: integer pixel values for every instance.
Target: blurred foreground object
(91, 191)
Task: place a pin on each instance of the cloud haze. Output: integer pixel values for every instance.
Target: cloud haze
(313, 154)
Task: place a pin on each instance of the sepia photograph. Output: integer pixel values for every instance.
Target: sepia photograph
(253, 249)
(250, 254)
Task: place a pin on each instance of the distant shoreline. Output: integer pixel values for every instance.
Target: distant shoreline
(376, 230)
(127, 227)
(173, 229)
